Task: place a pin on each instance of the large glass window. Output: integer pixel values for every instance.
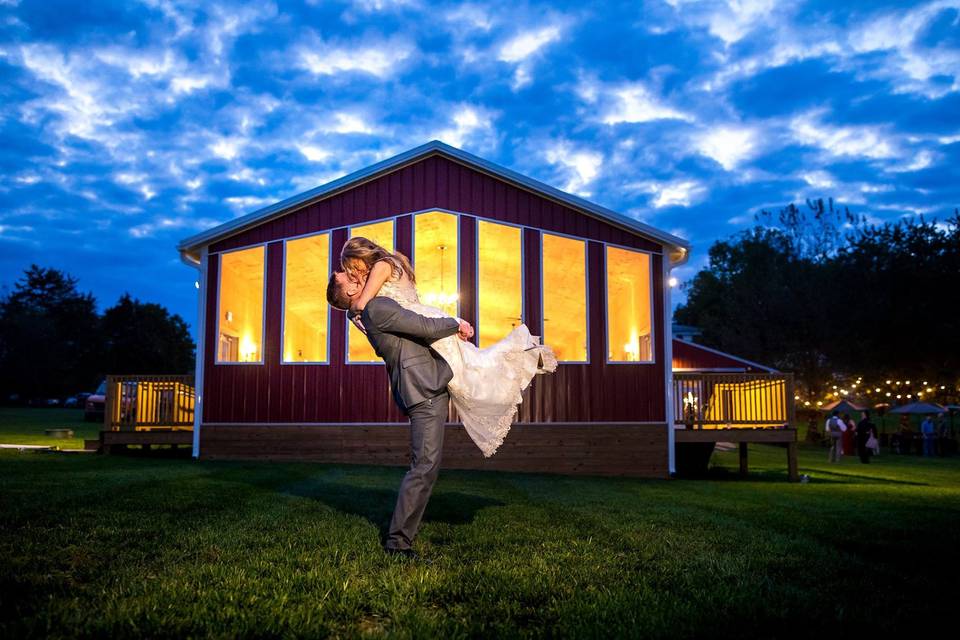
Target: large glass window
(436, 258)
(358, 347)
(499, 280)
(305, 311)
(565, 297)
(629, 304)
(240, 308)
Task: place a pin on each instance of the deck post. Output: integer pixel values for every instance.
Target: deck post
(668, 400)
(792, 462)
(743, 459)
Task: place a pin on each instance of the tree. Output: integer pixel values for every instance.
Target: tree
(48, 336)
(825, 292)
(143, 338)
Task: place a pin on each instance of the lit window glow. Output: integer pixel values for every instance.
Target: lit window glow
(629, 304)
(565, 297)
(499, 281)
(305, 312)
(240, 308)
(435, 252)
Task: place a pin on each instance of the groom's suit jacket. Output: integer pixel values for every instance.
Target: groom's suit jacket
(402, 338)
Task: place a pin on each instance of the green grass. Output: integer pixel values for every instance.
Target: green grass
(26, 426)
(113, 546)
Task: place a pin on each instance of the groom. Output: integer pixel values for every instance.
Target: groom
(418, 378)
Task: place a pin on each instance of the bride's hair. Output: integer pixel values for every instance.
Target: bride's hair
(369, 253)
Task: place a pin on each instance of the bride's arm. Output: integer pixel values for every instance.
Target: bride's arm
(379, 274)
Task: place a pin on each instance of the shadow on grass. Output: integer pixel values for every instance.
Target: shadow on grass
(376, 504)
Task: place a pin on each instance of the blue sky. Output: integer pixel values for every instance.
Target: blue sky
(125, 127)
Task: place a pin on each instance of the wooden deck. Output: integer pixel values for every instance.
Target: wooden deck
(118, 441)
(744, 436)
(630, 449)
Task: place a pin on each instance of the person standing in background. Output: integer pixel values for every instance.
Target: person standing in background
(865, 431)
(834, 428)
(849, 437)
(929, 432)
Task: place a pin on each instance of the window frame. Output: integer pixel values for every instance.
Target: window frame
(283, 296)
(413, 242)
(586, 290)
(347, 324)
(606, 308)
(476, 267)
(263, 307)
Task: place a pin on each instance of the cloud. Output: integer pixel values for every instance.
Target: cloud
(856, 141)
(377, 58)
(729, 146)
(579, 166)
(523, 47)
(469, 124)
(634, 103)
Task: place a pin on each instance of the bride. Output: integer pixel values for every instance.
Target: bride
(487, 384)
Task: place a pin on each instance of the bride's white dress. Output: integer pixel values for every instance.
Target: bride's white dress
(487, 384)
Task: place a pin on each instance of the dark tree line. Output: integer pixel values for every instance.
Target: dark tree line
(819, 291)
(53, 343)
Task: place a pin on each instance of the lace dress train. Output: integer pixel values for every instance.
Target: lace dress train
(488, 384)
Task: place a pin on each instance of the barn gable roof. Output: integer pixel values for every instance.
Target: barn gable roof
(189, 248)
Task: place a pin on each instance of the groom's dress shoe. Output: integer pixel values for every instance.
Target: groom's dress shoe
(409, 554)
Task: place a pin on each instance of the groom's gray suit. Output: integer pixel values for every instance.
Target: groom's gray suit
(418, 378)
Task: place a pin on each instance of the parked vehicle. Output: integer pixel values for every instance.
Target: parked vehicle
(71, 403)
(94, 405)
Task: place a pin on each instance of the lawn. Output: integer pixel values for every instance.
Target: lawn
(26, 426)
(113, 546)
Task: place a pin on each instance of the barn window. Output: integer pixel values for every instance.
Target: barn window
(436, 259)
(499, 280)
(306, 314)
(240, 306)
(565, 297)
(629, 304)
(358, 347)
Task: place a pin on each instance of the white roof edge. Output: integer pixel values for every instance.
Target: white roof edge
(432, 147)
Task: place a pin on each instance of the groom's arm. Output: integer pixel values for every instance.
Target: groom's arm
(386, 316)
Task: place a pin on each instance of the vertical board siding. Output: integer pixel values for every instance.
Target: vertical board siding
(338, 392)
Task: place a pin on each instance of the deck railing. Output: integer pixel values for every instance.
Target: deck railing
(144, 403)
(729, 400)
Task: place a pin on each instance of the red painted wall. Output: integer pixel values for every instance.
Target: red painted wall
(339, 392)
(687, 355)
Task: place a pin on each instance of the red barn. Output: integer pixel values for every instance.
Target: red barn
(282, 376)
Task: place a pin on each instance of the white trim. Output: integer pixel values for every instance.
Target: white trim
(283, 297)
(586, 292)
(346, 320)
(201, 351)
(668, 366)
(606, 308)
(413, 243)
(263, 308)
(476, 264)
(708, 369)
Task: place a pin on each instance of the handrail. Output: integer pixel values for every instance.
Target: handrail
(149, 402)
(712, 400)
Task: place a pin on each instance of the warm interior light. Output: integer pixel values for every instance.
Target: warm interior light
(499, 280)
(241, 305)
(305, 308)
(565, 297)
(436, 257)
(629, 303)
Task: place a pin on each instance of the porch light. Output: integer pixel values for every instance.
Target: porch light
(672, 281)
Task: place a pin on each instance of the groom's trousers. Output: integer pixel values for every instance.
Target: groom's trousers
(427, 421)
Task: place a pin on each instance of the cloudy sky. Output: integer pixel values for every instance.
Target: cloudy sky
(125, 127)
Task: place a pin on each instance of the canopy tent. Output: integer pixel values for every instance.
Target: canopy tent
(843, 406)
(919, 408)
